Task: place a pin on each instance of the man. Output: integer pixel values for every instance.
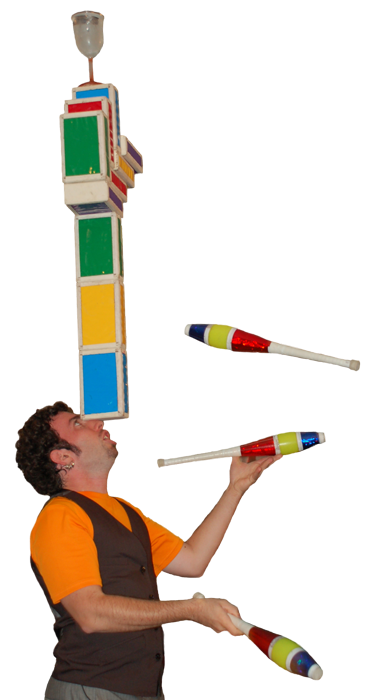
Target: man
(97, 557)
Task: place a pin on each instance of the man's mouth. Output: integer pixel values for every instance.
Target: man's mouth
(106, 436)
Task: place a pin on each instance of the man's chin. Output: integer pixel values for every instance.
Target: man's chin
(113, 450)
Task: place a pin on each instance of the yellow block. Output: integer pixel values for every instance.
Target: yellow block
(98, 314)
(123, 324)
(126, 168)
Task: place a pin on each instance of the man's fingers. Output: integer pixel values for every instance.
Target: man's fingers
(245, 474)
(261, 462)
(248, 459)
(214, 613)
(236, 630)
(232, 629)
(265, 462)
(229, 625)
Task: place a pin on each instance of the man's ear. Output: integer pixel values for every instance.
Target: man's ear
(62, 457)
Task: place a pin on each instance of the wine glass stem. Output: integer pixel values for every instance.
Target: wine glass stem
(91, 76)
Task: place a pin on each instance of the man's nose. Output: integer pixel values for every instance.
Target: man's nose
(96, 424)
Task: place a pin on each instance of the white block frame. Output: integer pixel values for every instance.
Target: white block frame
(93, 193)
(115, 247)
(103, 155)
(120, 414)
(124, 141)
(114, 98)
(120, 331)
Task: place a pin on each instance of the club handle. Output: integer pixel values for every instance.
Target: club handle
(317, 357)
(218, 454)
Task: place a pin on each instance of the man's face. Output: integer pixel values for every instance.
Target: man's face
(89, 436)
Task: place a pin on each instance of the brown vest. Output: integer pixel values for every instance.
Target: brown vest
(122, 662)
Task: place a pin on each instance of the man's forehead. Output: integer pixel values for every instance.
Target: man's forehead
(63, 419)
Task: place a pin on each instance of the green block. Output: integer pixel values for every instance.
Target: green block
(95, 241)
(120, 248)
(81, 146)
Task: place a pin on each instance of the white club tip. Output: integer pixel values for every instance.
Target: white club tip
(187, 329)
(315, 672)
(354, 364)
(160, 462)
(321, 438)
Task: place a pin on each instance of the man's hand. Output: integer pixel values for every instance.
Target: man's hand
(213, 612)
(245, 471)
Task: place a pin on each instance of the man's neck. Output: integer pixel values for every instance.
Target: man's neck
(82, 482)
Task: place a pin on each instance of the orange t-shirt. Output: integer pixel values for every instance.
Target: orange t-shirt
(63, 548)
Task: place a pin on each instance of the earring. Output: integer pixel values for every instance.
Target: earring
(69, 466)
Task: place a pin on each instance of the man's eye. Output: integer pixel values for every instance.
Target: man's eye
(77, 423)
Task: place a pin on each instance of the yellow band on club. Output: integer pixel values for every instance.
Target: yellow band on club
(288, 443)
(281, 650)
(218, 336)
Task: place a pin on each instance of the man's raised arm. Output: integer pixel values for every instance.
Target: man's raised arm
(198, 551)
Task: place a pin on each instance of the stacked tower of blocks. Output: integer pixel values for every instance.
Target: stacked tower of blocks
(98, 167)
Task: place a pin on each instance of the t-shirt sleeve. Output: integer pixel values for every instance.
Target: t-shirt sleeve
(164, 544)
(63, 549)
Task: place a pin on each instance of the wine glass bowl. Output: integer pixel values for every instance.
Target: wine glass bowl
(88, 29)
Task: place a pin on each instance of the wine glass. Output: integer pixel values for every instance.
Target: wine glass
(89, 37)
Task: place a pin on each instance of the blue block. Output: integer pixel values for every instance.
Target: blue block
(98, 208)
(126, 395)
(99, 92)
(100, 383)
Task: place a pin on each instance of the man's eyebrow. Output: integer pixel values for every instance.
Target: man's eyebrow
(74, 418)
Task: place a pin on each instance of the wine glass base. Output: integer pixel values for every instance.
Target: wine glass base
(90, 82)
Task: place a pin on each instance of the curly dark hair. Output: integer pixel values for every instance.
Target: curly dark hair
(36, 441)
